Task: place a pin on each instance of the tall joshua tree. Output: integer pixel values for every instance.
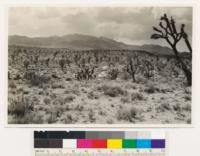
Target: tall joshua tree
(168, 31)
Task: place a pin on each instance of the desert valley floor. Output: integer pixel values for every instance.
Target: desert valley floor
(54, 95)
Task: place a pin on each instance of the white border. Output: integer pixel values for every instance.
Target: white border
(147, 3)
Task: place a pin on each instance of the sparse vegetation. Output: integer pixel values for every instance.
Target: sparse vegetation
(68, 87)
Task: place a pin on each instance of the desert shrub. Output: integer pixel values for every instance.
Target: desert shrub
(58, 110)
(163, 107)
(57, 85)
(68, 119)
(103, 87)
(177, 107)
(16, 109)
(125, 76)
(109, 121)
(66, 108)
(20, 90)
(188, 90)
(79, 108)
(17, 77)
(40, 93)
(187, 108)
(21, 120)
(68, 79)
(137, 96)
(189, 121)
(55, 76)
(125, 100)
(20, 106)
(36, 79)
(13, 92)
(151, 88)
(187, 97)
(113, 91)
(37, 119)
(25, 92)
(165, 90)
(92, 95)
(12, 84)
(91, 115)
(129, 114)
(9, 75)
(83, 90)
(59, 101)
(47, 101)
(141, 79)
(101, 112)
(53, 95)
(69, 98)
(73, 90)
(149, 109)
(51, 119)
(113, 73)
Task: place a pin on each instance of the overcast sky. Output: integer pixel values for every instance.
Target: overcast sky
(129, 25)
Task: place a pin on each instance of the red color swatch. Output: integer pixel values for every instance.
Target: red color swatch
(99, 143)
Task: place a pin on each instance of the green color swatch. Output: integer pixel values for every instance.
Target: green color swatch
(129, 143)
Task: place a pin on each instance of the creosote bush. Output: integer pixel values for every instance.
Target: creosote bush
(130, 115)
(113, 91)
(69, 98)
(151, 88)
(20, 106)
(35, 79)
(137, 96)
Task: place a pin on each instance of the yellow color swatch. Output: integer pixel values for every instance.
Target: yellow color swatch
(114, 143)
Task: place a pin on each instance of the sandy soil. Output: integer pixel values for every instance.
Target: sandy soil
(65, 100)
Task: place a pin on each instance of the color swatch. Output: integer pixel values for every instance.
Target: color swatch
(99, 140)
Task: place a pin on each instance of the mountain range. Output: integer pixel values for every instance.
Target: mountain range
(84, 42)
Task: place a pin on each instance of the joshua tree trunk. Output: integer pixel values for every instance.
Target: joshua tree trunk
(187, 72)
(132, 71)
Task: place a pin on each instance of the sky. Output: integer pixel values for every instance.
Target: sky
(132, 25)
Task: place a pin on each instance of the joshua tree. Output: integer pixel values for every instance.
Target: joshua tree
(62, 63)
(47, 62)
(167, 30)
(26, 64)
(148, 69)
(133, 66)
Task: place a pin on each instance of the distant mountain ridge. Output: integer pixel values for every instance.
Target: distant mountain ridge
(83, 42)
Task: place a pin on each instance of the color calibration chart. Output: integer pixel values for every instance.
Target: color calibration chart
(99, 143)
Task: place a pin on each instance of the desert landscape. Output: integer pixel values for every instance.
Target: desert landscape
(84, 79)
